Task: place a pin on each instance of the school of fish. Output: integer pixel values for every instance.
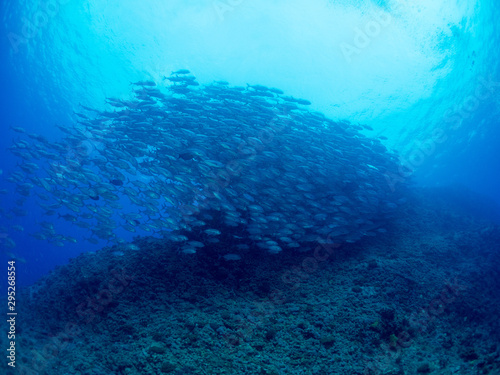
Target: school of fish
(162, 162)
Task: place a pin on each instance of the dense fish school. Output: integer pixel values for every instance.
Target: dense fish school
(188, 161)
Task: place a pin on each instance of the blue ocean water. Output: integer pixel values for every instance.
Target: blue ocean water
(424, 75)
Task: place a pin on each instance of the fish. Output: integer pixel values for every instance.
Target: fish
(212, 232)
(195, 244)
(191, 154)
(116, 182)
(193, 163)
(18, 129)
(70, 239)
(181, 71)
(8, 242)
(11, 255)
(231, 257)
(144, 83)
(68, 217)
(38, 236)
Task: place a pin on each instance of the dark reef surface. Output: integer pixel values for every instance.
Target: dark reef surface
(421, 298)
